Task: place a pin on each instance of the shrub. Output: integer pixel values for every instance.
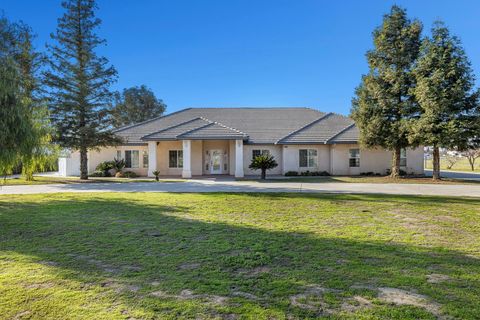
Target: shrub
(130, 174)
(263, 162)
(105, 167)
(402, 172)
(291, 173)
(314, 173)
(156, 173)
(98, 173)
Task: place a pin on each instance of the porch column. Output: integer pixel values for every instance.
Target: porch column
(187, 159)
(239, 159)
(152, 158)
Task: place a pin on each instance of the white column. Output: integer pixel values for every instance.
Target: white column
(152, 158)
(239, 159)
(187, 159)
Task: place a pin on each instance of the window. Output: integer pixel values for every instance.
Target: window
(257, 152)
(175, 159)
(354, 160)
(307, 158)
(119, 155)
(403, 157)
(132, 159)
(145, 158)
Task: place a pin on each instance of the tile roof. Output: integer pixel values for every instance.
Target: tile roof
(254, 125)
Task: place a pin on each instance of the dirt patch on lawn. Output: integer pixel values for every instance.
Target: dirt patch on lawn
(355, 304)
(403, 297)
(437, 278)
(187, 294)
(312, 299)
(254, 272)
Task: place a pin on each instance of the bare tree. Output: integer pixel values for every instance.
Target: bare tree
(472, 155)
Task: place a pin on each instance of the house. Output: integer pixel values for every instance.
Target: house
(210, 141)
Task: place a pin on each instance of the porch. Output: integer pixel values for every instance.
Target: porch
(187, 158)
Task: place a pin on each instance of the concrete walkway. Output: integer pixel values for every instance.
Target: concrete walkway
(252, 186)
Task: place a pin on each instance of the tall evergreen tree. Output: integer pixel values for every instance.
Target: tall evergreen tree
(383, 104)
(80, 82)
(135, 105)
(445, 94)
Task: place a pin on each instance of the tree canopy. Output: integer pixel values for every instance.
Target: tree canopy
(135, 105)
(383, 103)
(444, 91)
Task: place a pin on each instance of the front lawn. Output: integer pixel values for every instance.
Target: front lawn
(229, 256)
(70, 180)
(364, 179)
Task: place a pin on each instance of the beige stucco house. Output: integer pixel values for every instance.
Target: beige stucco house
(223, 141)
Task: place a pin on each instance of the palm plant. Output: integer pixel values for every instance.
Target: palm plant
(118, 165)
(263, 162)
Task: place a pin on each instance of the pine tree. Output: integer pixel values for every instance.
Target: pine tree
(445, 94)
(80, 81)
(384, 105)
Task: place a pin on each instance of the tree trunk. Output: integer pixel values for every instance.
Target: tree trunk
(396, 163)
(83, 164)
(436, 163)
(471, 161)
(264, 174)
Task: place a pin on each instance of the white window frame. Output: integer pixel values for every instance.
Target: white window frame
(312, 158)
(178, 165)
(145, 158)
(403, 157)
(355, 158)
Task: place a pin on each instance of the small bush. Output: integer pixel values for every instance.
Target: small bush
(97, 174)
(105, 167)
(315, 173)
(368, 174)
(402, 172)
(130, 174)
(291, 173)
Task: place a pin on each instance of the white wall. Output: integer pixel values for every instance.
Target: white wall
(275, 151)
(70, 165)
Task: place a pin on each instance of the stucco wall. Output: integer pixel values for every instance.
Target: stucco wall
(275, 151)
(372, 160)
(331, 158)
(291, 158)
(108, 154)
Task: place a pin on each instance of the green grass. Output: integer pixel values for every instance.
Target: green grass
(228, 256)
(461, 165)
(365, 179)
(70, 180)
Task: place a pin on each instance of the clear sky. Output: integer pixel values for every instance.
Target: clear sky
(245, 52)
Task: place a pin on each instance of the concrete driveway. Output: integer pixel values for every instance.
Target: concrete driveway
(252, 186)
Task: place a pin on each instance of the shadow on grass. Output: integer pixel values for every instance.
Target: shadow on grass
(204, 267)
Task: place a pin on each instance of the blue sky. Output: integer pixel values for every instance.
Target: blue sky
(248, 53)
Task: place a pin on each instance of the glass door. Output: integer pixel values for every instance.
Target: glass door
(216, 160)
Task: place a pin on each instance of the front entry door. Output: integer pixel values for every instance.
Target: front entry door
(216, 161)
